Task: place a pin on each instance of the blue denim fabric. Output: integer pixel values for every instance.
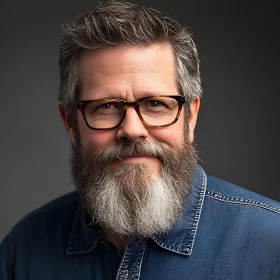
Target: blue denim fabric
(226, 232)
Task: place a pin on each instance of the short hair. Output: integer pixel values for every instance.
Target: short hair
(121, 23)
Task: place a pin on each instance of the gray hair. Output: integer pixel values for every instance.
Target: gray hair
(122, 23)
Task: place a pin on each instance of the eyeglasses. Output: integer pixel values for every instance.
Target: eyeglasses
(154, 111)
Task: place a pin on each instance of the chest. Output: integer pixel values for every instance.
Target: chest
(147, 260)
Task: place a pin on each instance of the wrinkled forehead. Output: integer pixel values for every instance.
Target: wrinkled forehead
(129, 69)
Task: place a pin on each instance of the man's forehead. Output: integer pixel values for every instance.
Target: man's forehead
(136, 57)
(121, 71)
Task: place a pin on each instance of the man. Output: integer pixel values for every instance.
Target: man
(129, 99)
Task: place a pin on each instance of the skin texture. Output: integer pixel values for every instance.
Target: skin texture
(129, 73)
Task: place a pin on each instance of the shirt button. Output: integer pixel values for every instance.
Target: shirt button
(125, 275)
(106, 246)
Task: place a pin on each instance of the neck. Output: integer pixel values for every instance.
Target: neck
(120, 241)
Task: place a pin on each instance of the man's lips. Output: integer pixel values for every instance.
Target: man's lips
(136, 158)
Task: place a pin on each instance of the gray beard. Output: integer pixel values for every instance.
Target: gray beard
(131, 201)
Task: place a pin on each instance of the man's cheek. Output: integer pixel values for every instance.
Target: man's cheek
(170, 136)
(98, 140)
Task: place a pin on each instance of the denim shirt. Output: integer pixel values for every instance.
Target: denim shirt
(225, 232)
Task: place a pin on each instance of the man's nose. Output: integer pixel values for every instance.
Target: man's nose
(132, 127)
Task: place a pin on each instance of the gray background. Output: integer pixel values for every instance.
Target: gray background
(237, 130)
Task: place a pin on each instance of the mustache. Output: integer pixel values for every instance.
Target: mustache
(131, 149)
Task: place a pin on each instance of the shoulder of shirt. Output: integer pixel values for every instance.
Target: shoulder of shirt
(60, 207)
(226, 192)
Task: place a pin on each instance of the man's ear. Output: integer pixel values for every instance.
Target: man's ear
(67, 122)
(194, 108)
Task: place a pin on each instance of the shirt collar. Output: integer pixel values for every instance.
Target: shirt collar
(83, 238)
(179, 239)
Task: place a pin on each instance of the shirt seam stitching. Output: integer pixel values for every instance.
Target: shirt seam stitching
(242, 201)
(199, 206)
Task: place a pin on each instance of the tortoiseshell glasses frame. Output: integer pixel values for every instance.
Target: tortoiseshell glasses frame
(123, 105)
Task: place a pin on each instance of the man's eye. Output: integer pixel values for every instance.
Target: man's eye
(107, 106)
(153, 103)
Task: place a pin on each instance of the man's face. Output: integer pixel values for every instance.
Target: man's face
(129, 73)
(157, 161)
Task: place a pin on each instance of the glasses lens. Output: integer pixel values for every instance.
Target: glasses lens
(103, 113)
(158, 111)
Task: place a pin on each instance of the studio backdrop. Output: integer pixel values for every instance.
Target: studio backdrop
(237, 130)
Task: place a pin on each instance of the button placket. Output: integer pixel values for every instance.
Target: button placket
(126, 275)
(130, 266)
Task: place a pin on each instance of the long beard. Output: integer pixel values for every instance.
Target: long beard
(132, 201)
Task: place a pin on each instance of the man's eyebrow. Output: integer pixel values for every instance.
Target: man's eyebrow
(112, 96)
(120, 95)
